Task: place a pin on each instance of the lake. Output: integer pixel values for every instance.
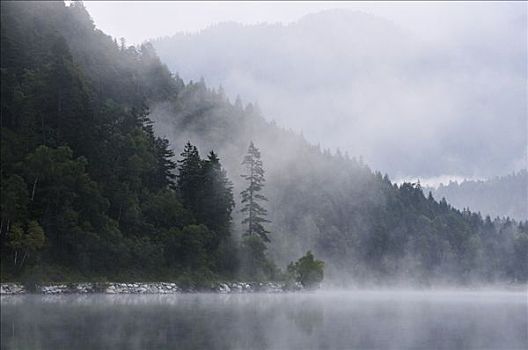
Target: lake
(321, 320)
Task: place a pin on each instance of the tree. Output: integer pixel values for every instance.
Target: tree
(251, 195)
(205, 189)
(24, 243)
(255, 264)
(307, 270)
(166, 165)
(254, 259)
(14, 201)
(217, 202)
(187, 247)
(208, 194)
(190, 176)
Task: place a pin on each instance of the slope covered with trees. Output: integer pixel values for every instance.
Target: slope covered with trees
(90, 184)
(365, 227)
(87, 188)
(504, 196)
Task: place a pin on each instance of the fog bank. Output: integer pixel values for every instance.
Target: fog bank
(413, 104)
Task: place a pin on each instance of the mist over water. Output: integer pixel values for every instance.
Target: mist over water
(374, 319)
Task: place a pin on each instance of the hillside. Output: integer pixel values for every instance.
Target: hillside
(90, 184)
(412, 106)
(504, 196)
(88, 190)
(364, 226)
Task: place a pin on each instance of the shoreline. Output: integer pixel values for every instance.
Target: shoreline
(146, 288)
(234, 287)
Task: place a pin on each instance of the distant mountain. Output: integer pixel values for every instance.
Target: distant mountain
(504, 196)
(361, 83)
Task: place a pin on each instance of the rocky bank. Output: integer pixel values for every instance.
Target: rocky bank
(147, 288)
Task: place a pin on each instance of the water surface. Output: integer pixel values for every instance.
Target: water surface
(321, 320)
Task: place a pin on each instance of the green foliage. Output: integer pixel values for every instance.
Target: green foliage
(24, 243)
(35, 236)
(218, 201)
(14, 200)
(190, 176)
(207, 191)
(307, 270)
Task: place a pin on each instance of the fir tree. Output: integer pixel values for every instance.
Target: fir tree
(251, 195)
(190, 176)
(217, 202)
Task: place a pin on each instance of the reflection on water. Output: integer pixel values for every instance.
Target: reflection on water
(324, 320)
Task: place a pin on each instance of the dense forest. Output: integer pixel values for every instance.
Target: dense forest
(103, 176)
(504, 196)
(87, 188)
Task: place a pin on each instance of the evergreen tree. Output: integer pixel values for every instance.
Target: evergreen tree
(217, 202)
(206, 191)
(190, 177)
(251, 195)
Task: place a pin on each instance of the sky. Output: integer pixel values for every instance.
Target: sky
(138, 21)
(463, 118)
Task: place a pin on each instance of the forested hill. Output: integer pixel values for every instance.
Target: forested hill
(89, 187)
(504, 196)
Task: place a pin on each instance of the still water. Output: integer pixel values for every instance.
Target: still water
(321, 320)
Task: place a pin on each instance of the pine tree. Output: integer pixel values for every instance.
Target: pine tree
(166, 166)
(190, 176)
(251, 195)
(217, 202)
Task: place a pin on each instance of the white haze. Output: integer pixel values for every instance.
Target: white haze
(370, 319)
(419, 90)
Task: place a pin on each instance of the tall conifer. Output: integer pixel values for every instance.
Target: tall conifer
(251, 196)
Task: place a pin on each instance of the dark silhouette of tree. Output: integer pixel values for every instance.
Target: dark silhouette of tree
(190, 177)
(217, 202)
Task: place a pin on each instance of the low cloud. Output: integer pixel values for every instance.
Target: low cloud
(412, 104)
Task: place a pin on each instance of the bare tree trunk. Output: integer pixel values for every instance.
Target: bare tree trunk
(34, 188)
(23, 259)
